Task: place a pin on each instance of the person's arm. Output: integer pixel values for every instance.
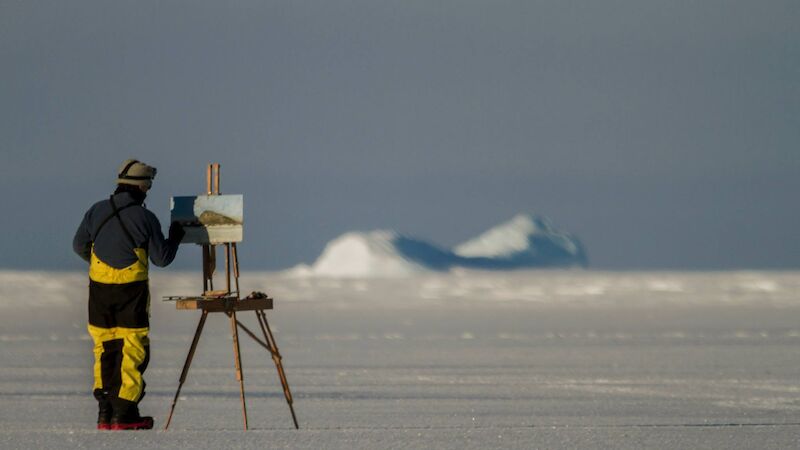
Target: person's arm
(162, 251)
(82, 242)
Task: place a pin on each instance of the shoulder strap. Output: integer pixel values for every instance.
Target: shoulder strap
(122, 224)
(116, 213)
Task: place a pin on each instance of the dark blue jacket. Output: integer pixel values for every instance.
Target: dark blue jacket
(112, 245)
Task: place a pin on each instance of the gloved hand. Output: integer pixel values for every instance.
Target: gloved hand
(176, 232)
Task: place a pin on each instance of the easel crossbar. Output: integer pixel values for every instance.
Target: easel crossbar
(255, 338)
(225, 304)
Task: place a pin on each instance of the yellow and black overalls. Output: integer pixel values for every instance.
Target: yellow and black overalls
(119, 297)
(119, 308)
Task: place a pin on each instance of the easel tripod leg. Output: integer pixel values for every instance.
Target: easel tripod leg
(186, 364)
(238, 363)
(276, 357)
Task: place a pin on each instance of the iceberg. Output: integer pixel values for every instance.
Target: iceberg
(523, 242)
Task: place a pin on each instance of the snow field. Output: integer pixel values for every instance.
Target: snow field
(556, 359)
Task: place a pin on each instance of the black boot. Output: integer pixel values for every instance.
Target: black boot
(126, 417)
(104, 410)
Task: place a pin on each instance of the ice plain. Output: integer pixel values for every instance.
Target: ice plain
(460, 359)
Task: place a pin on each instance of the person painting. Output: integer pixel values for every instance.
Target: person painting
(116, 237)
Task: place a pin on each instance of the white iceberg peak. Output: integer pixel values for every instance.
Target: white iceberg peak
(357, 254)
(508, 238)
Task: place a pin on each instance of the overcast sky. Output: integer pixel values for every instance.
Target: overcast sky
(665, 134)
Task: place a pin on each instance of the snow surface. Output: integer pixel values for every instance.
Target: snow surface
(462, 359)
(524, 241)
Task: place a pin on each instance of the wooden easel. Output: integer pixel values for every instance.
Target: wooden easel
(229, 302)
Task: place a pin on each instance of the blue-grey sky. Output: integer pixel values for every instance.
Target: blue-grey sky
(666, 134)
